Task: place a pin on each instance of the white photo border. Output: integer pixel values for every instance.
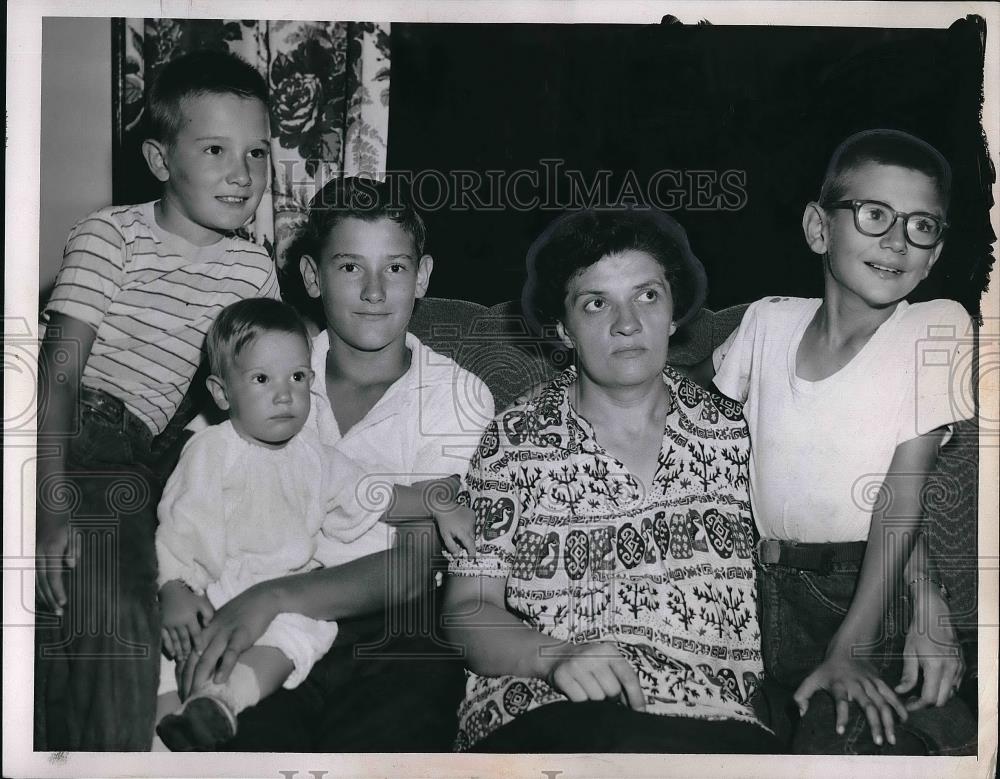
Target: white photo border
(24, 39)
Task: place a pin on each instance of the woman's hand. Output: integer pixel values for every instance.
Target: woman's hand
(850, 679)
(595, 671)
(931, 648)
(234, 629)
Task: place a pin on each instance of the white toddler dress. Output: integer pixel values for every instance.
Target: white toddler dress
(234, 514)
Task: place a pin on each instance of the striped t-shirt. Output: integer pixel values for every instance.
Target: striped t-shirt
(150, 297)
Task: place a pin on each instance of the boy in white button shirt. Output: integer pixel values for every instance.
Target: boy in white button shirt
(251, 500)
(410, 418)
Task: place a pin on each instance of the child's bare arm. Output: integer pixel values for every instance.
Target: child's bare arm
(894, 526)
(932, 649)
(62, 356)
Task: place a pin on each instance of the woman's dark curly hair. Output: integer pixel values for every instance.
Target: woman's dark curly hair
(580, 239)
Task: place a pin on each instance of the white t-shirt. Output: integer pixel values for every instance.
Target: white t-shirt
(821, 449)
(427, 425)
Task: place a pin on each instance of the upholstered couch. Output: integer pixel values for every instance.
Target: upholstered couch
(497, 344)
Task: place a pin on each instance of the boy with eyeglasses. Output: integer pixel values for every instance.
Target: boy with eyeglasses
(847, 414)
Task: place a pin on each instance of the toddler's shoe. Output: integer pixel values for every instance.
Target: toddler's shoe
(200, 725)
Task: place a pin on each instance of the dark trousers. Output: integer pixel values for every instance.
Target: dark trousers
(97, 666)
(606, 726)
(800, 613)
(378, 689)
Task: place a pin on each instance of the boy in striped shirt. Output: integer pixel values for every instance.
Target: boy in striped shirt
(138, 289)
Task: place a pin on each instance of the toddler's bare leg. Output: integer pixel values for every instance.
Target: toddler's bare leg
(270, 665)
(208, 717)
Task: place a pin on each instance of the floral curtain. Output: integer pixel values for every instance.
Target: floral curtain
(329, 104)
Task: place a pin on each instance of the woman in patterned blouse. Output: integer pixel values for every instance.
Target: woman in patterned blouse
(611, 605)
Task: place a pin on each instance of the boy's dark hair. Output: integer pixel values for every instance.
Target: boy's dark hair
(204, 72)
(350, 197)
(240, 324)
(580, 239)
(356, 197)
(885, 147)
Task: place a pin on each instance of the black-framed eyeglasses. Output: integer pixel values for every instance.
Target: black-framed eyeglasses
(874, 218)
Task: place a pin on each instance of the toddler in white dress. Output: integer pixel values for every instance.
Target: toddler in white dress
(244, 505)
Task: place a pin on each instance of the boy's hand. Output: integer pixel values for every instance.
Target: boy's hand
(850, 679)
(184, 614)
(596, 671)
(457, 524)
(61, 357)
(932, 648)
(54, 557)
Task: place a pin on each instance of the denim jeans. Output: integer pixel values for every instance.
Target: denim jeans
(800, 613)
(97, 666)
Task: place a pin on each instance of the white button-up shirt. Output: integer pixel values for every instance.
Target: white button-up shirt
(426, 426)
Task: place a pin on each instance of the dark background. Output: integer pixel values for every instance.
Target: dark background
(771, 101)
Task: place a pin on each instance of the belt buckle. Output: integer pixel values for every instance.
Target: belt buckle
(100, 403)
(768, 551)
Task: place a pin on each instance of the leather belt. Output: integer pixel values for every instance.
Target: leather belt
(115, 411)
(809, 557)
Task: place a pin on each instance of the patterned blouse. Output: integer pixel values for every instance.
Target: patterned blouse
(587, 556)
